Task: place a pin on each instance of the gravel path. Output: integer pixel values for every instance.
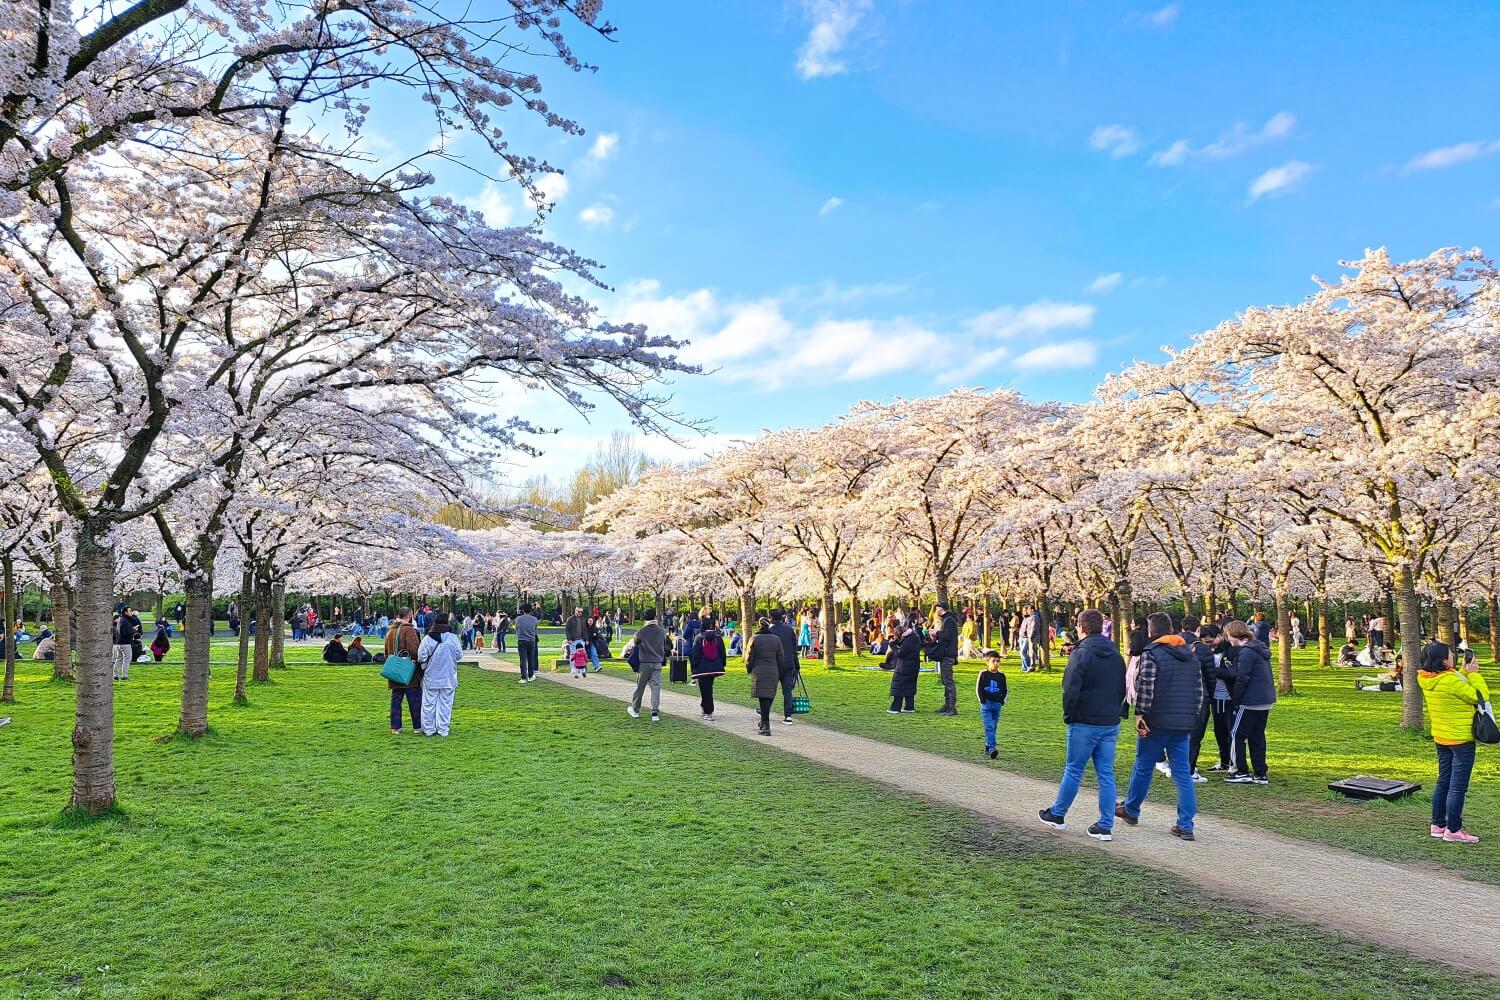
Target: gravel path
(1426, 912)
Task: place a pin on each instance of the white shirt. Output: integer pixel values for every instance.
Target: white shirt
(439, 661)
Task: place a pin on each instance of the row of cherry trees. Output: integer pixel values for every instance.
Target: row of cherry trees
(1338, 448)
(230, 332)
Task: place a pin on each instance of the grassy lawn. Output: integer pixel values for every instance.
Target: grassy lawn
(553, 847)
(1327, 730)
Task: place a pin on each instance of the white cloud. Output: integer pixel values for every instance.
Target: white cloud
(773, 340)
(1162, 17)
(1233, 142)
(1041, 316)
(604, 146)
(1106, 282)
(497, 210)
(830, 205)
(1449, 156)
(832, 23)
(1280, 180)
(550, 189)
(1051, 357)
(597, 215)
(1116, 140)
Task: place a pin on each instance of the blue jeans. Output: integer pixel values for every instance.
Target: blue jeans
(413, 699)
(1455, 764)
(989, 712)
(296, 633)
(1148, 750)
(1025, 647)
(593, 655)
(1085, 744)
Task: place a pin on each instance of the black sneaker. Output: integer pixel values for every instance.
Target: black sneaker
(1260, 779)
(1239, 779)
(1182, 834)
(1219, 769)
(1122, 813)
(993, 754)
(1101, 832)
(1051, 819)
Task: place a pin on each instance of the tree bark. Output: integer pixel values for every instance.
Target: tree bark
(1044, 640)
(854, 620)
(1494, 629)
(241, 667)
(8, 690)
(193, 718)
(1404, 593)
(278, 625)
(94, 694)
(262, 669)
(1323, 641)
(942, 589)
(1283, 636)
(1117, 617)
(1442, 611)
(830, 626)
(62, 627)
(1123, 608)
(747, 617)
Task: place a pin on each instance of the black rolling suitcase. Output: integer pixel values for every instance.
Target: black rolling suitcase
(677, 670)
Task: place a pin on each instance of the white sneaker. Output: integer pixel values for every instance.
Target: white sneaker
(1199, 779)
(631, 711)
(787, 721)
(655, 717)
(1164, 768)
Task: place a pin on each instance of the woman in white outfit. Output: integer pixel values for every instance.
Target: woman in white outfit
(439, 655)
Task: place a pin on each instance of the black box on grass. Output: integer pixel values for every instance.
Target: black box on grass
(1362, 786)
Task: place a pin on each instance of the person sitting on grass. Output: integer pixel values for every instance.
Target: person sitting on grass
(357, 651)
(46, 648)
(160, 644)
(1451, 697)
(1349, 655)
(991, 692)
(335, 652)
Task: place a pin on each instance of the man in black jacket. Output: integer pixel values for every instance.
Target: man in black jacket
(944, 649)
(1168, 700)
(1093, 704)
(791, 666)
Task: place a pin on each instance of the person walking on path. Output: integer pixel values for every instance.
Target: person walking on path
(502, 629)
(526, 641)
(991, 691)
(651, 645)
(706, 658)
(765, 659)
(944, 649)
(1253, 692)
(1451, 697)
(439, 655)
(1168, 698)
(1093, 697)
(791, 663)
(905, 658)
(122, 639)
(403, 638)
(1025, 640)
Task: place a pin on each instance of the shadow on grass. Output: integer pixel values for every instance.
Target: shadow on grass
(78, 818)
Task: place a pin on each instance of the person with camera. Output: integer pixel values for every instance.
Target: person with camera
(942, 648)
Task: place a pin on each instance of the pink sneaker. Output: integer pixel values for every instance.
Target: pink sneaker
(1460, 837)
(1437, 831)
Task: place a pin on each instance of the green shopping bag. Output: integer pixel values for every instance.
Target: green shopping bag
(801, 703)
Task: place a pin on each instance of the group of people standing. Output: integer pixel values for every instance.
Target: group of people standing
(429, 693)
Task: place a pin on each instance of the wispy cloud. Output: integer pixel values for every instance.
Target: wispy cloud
(1115, 139)
(1052, 357)
(830, 205)
(1041, 316)
(1280, 180)
(597, 215)
(604, 146)
(832, 23)
(1161, 17)
(1452, 156)
(1106, 282)
(1236, 140)
(493, 204)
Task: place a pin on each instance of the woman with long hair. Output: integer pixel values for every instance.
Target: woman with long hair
(1451, 697)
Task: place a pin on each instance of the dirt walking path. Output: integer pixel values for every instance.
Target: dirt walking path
(1429, 913)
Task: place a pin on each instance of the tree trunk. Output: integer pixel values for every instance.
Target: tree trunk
(1405, 594)
(1494, 629)
(1442, 612)
(1124, 598)
(62, 627)
(278, 625)
(1044, 639)
(1323, 641)
(1117, 617)
(193, 719)
(747, 618)
(8, 690)
(1283, 637)
(262, 669)
(244, 637)
(942, 589)
(854, 628)
(988, 623)
(830, 626)
(94, 695)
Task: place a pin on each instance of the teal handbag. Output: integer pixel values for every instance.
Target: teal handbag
(801, 703)
(398, 669)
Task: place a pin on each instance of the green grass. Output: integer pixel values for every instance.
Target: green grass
(1326, 731)
(553, 847)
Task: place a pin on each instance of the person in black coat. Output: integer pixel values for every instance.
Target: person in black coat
(943, 648)
(1253, 690)
(905, 658)
(1168, 700)
(335, 652)
(1093, 702)
(791, 664)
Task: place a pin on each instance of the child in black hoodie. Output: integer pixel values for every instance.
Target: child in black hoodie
(991, 692)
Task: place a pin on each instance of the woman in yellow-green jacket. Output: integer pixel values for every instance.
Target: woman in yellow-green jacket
(1451, 697)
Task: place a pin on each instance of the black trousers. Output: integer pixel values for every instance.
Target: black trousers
(908, 702)
(1223, 712)
(765, 711)
(1249, 731)
(950, 690)
(1196, 744)
(526, 651)
(706, 693)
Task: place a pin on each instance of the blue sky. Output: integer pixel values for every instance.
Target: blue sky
(850, 199)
